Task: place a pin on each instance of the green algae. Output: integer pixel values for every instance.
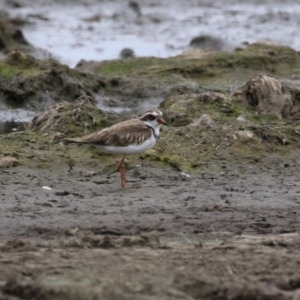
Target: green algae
(219, 68)
(183, 148)
(18, 64)
(130, 66)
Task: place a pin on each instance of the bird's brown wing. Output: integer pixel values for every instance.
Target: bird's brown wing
(122, 134)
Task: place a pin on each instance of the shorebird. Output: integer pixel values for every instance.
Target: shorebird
(127, 138)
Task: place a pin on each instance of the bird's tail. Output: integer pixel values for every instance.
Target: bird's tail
(71, 141)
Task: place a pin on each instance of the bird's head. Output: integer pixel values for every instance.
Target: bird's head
(153, 118)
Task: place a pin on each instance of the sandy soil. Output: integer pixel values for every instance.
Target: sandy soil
(228, 232)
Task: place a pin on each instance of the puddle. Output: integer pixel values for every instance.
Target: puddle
(11, 126)
(14, 119)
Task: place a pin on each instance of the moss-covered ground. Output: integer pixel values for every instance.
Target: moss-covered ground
(182, 146)
(221, 70)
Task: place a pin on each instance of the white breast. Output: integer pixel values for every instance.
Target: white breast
(131, 149)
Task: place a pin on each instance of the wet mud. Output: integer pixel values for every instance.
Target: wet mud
(228, 231)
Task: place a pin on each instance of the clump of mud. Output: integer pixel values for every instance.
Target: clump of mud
(268, 96)
(72, 118)
(35, 84)
(186, 109)
(84, 238)
(8, 162)
(27, 291)
(12, 38)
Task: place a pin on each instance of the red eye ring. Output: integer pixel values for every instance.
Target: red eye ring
(151, 117)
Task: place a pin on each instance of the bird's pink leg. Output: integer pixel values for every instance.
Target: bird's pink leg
(121, 169)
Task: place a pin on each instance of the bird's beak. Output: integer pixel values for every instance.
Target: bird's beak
(162, 121)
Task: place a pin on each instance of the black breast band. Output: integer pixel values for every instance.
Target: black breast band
(152, 131)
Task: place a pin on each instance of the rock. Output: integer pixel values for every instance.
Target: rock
(135, 7)
(268, 95)
(242, 134)
(8, 162)
(241, 118)
(94, 18)
(205, 120)
(88, 173)
(207, 42)
(127, 53)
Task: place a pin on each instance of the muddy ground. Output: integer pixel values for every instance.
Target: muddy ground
(229, 231)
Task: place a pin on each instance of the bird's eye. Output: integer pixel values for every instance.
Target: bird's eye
(151, 117)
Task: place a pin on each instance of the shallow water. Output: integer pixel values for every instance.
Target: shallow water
(164, 28)
(14, 119)
(11, 126)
